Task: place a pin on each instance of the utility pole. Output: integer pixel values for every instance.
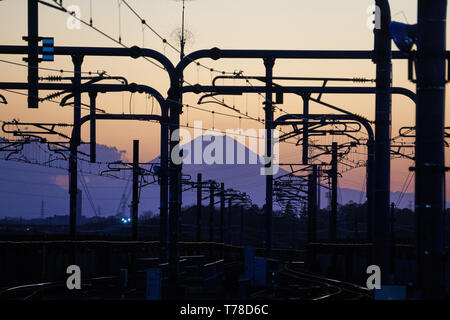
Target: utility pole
(242, 225)
(229, 233)
(93, 125)
(319, 174)
(222, 212)
(174, 190)
(305, 137)
(33, 54)
(312, 205)
(135, 200)
(370, 189)
(182, 37)
(75, 141)
(293, 227)
(199, 207)
(429, 152)
(211, 212)
(381, 220)
(269, 63)
(164, 187)
(393, 238)
(333, 213)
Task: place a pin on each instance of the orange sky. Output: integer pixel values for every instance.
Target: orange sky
(239, 24)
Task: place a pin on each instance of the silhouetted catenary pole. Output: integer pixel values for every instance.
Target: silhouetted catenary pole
(175, 189)
(222, 212)
(211, 212)
(305, 136)
(229, 233)
(381, 218)
(269, 63)
(334, 173)
(370, 174)
(242, 225)
(33, 53)
(312, 205)
(199, 207)
(429, 151)
(164, 187)
(74, 143)
(93, 126)
(393, 237)
(135, 200)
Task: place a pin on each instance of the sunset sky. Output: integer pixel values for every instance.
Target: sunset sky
(231, 24)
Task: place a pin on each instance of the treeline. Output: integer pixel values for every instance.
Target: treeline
(290, 226)
(246, 226)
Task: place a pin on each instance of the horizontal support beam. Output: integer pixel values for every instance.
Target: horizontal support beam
(295, 90)
(216, 53)
(142, 117)
(299, 117)
(99, 88)
(133, 52)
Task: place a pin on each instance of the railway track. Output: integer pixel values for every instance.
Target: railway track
(292, 283)
(298, 285)
(93, 289)
(108, 288)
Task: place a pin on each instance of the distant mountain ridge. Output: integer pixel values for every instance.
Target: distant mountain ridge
(23, 187)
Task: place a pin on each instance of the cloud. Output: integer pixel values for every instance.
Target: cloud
(61, 181)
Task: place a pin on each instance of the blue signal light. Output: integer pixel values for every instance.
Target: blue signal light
(48, 49)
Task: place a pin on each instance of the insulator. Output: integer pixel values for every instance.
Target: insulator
(361, 116)
(359, 80)
(53, 95)
(52, 78)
